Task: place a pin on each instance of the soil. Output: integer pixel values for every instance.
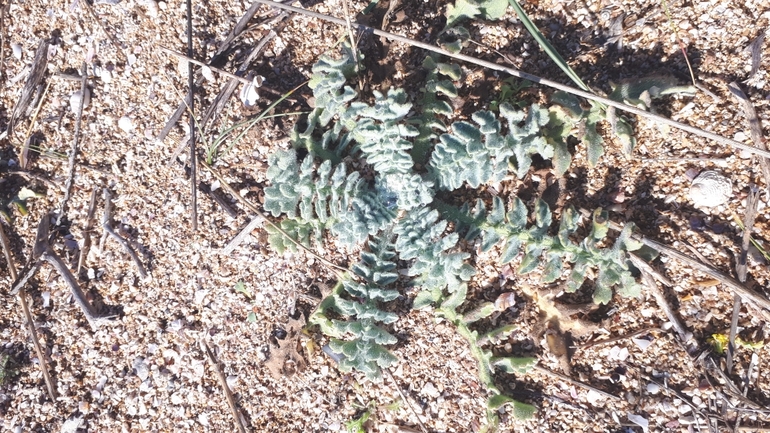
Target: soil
(146, 370)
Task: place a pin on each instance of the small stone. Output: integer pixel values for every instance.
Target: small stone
(710, 189)
(653, 388)
(126, 124)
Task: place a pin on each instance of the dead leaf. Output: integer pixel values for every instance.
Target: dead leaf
(284, 358)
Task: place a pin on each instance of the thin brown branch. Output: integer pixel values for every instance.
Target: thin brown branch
(255, 222)
(530, 77)
(4, 8)
(406, 400)
(733, 332)
(218, 55)
(24, 154)
(43, 251)
(574, 382)
(755, 128)
(738, 288)
(660, 298)
(31, 86)
(191, 108)
(618, 338)
(226, 389)
(22, 297)
(90, 221)
(107, 226)
(218, 104)
(752, 205)
(74, 149)
(109, 35)
(213, 68)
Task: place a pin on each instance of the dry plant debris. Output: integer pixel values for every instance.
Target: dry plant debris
(143, 371)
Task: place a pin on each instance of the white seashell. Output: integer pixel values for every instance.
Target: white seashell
(249, 94)
(16, 48)
(76, 98)
(710, 189)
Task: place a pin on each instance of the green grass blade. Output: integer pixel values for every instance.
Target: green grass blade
(547, 47)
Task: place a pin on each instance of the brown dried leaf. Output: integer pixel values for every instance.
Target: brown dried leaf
(284, 359)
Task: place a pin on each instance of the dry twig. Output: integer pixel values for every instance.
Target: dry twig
(191, 108)
(223, 383)
(108, 230)
(735, 286)
(334, 267)
(31, 86)
(74, 149)
(90, 220)
(4, 8)
(618, 338)
(663, 304)
(755, 128)
(574, 382)
(406, 401)
(22, 296)
(42, 251)
(255, 222)
(218, 56)
(224, 95)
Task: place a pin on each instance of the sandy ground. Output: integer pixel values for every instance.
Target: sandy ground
(146, 370)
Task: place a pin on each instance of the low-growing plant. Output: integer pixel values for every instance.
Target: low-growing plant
(379, 176)
(637, 91)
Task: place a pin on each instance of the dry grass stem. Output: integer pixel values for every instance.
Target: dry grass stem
(22, 297)
(75, 147)
(24, 154)
(574, 382)
(223, 384)
(191, 109)
(405, 400)
(218, 55)
(213, 68)
(755, 127)
(255, 222)
(533, 78)
(618, 338)
(31, 87)
(681, 329)
(218, 104)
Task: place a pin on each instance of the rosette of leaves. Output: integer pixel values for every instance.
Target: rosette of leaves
(358, 298)
(318, 199)
(510, 229)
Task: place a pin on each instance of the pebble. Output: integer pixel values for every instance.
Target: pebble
(653, 388)
(126, 124)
